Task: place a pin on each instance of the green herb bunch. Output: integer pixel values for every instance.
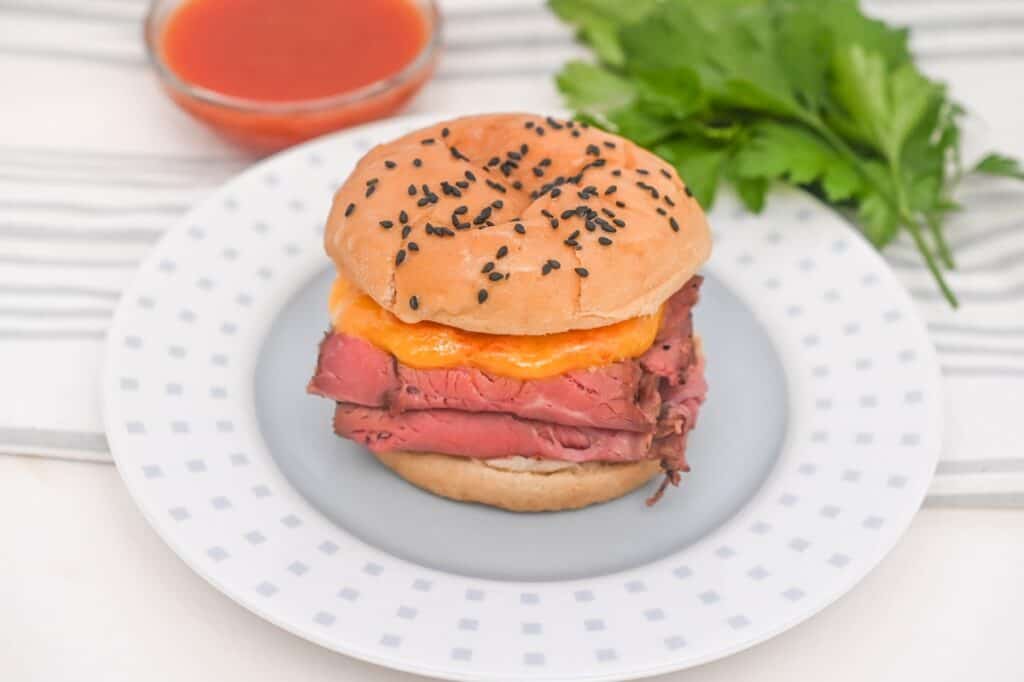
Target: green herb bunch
(807, 92)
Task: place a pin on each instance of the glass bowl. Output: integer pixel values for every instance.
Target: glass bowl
(269, 126)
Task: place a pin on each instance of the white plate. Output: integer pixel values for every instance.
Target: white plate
(814, 452)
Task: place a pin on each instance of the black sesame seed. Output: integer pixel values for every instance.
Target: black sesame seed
(372, 181)
(494, 161)
(545, 162)
(554, 223)
(608, 212)
(620, 222)
(350, 209)
(539, 130)
(458, 155)
(488, 266)
(523, 149)
(666, 174)
(612, 189)
(555, 125)
(417, 162)
(400, 257)
(593, 150)
(423, 202)
(546, 213)
(575, 233)
(495, 276)
(386, 224)
(515, 156)
(502, 252)
(428, 141)
(481, 296)
(688, 191)
(498, 203)
(403, 217)
(661, 211)
(444, 132)
(412, 190)
(555, 193)
(643, 171)
(575, 133)
(553, 263)
(370, 190)
(604, 241)
(582, 272)
(413, 246)
(414, 302)
(609, 144)
(674, 223)
(429, 229)
(546, 269)
(470, 176)
(617, 173)
(406, 230)
(517, 185)
(620, 204)
(484, 215)
(461, 209)
(528, 125)
(462, 184)
(668, 200)
(390, 164)
(568, 213)
(538, 171)
(520, 228)
(496, 186)
(570, 242)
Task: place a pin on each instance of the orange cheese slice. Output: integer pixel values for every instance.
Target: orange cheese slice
(428, 345)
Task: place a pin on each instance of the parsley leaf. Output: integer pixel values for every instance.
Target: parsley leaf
(1003, 166)
(755, 92)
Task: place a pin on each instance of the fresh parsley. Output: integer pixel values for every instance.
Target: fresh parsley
(813, 94)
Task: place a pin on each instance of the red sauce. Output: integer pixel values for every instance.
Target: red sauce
(276, 51)
(291, 51)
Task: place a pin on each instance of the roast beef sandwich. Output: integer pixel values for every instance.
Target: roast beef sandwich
(511, 319)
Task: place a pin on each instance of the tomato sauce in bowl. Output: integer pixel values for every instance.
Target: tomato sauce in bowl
(270, 73)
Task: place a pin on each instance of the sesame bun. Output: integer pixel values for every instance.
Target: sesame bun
(519, 484)
(490, 202)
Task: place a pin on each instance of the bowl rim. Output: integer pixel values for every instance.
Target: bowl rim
(152, 30)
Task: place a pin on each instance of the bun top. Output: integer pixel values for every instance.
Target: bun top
(516, 224)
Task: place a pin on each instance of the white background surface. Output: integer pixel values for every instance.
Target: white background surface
(87, 590)
(90, 593)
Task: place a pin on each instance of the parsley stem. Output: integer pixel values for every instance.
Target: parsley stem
(898, 202)
(929, 259)
(945, 254)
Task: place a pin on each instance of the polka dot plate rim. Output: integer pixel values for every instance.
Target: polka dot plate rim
(861, 443)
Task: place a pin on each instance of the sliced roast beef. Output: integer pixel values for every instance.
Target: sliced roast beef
(351, 370)
(626, 411)
(621, 396)
(486, 435)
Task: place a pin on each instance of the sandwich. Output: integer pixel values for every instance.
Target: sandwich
(511, 319)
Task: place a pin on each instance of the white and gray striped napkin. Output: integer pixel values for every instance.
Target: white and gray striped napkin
(95, 162)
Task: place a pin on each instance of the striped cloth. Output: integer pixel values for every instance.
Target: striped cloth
(95, 162)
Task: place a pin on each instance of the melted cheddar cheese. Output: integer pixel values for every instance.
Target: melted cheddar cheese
(428, 345)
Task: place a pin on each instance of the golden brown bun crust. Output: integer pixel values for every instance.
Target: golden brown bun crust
(469, 480)
(646, 262)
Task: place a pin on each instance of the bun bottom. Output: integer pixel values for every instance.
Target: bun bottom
(469, 480)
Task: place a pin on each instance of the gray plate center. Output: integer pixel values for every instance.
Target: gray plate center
(735, 446)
